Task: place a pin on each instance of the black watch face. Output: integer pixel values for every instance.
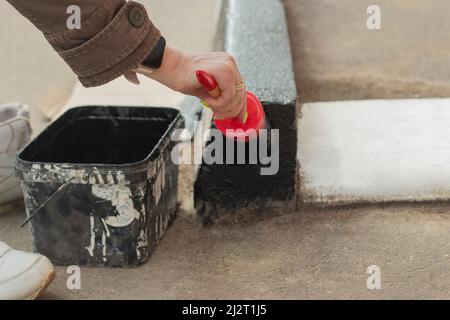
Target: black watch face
(154, 60)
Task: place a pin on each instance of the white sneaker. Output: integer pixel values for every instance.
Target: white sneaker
(23, 276)
(15, 133)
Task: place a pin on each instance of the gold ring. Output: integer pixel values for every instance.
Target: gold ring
(240, 86)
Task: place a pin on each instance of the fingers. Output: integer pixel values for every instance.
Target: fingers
(236, 108)
(223, 68)
(231, 103)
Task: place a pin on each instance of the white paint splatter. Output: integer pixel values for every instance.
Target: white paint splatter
(108, 234)
(109, 178)
(120, 197)
(120, 176)
(104, 245)
(157, 189)
(90, 249)
(142, 243)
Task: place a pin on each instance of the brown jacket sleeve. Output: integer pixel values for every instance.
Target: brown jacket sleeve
(115, 35)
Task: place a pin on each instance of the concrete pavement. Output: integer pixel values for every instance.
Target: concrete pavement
(337, 57)
(304, 255)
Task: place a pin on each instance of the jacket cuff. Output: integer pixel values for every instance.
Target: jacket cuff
(122, 45)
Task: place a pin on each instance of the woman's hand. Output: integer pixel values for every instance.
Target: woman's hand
(178, 72)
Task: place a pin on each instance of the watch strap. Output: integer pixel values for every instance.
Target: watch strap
(154, 60)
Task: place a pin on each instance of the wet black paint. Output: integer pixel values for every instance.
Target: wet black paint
(222, 188)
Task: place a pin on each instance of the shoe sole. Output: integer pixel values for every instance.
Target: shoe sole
(50, 277)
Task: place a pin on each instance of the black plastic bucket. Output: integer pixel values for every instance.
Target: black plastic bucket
(100, 186)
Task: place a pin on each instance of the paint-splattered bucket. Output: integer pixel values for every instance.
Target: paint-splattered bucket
(99, 185)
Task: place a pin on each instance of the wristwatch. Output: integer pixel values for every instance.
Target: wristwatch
(154, 60)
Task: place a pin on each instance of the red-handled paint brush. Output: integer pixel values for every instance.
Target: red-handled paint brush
(240, 129)
(209, 83)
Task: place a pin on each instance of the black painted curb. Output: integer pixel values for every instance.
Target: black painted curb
(255, 33)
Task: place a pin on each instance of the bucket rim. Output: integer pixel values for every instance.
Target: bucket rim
(22, 167)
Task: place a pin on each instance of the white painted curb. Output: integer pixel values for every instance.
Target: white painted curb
(375, 151)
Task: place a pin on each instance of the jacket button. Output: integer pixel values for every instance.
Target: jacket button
(136, 16)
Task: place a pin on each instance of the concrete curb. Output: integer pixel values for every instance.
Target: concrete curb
(255, 33)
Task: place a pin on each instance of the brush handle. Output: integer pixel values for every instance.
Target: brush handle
(209, 83)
